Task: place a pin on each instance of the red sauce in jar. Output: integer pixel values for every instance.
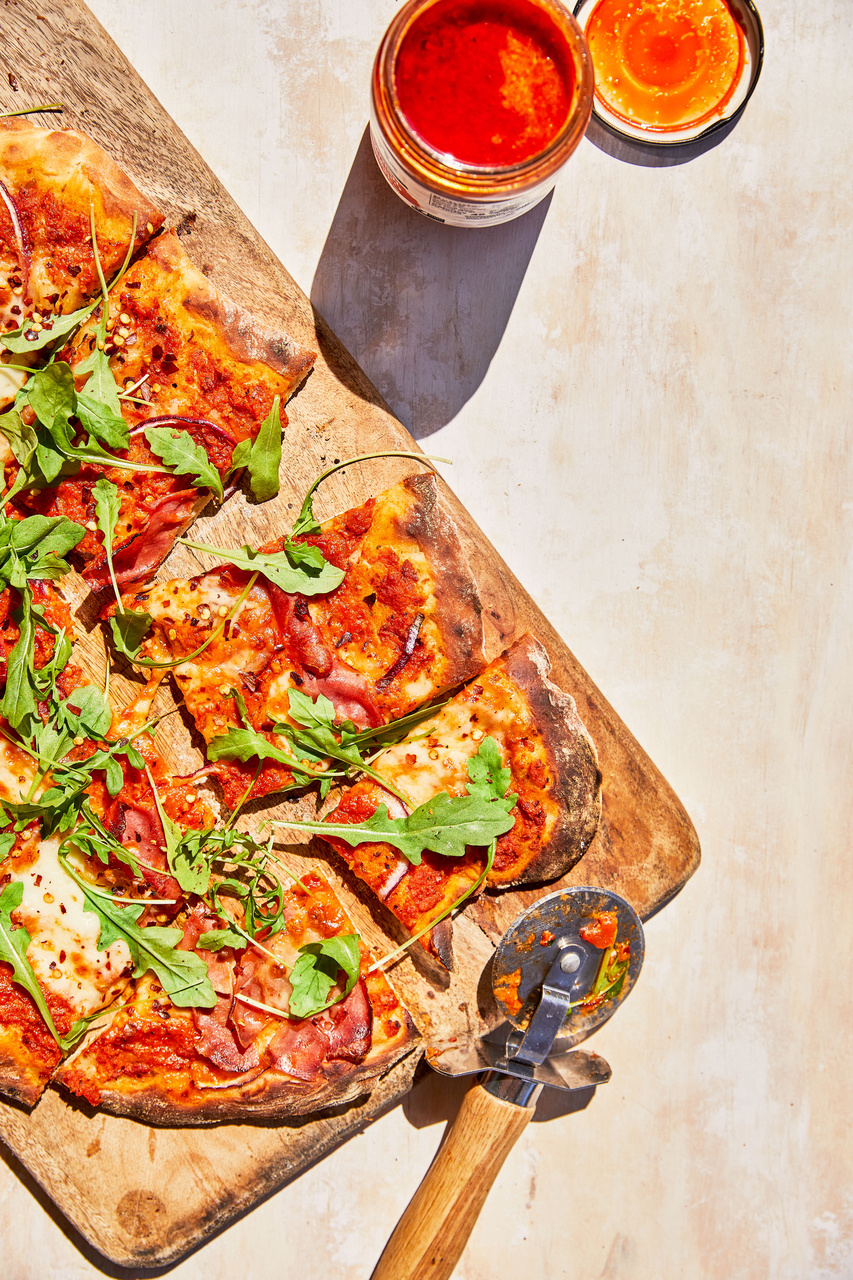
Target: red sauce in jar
(665, 64)
(488, 82)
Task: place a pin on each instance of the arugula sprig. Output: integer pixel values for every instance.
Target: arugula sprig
(42, 435)
(183, 457)
(65, 803)
(107, 509)
(313, 741)
(316, 972)
(33, 549)
(182, 974)
(300, 567)
(446, 825)
(297, 569)
(262, 457)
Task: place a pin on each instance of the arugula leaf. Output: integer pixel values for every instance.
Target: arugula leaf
(18, 703)
(182, 455)
(22, 438)
(36, 547)
(308, 578)
(446, 824)
(488, 778)
(78, 1029)
(316, 972)
(216, 939)
(101, 384)
(263, 460)
(320, 733)
(13, 950)
(94, 713)
(100, 421)
(60, 326)
(129, 630)
(107, 510)
(248, 744)
(186, 854)
(182, 974)
(7, 844)
(51, 394)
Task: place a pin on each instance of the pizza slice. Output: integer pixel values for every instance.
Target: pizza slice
(403, 625)
(551, 768)
(197, 377)
(299, 1022)
(75, 839)
(53, 184)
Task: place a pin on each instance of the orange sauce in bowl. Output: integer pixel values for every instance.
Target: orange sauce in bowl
(665, 64)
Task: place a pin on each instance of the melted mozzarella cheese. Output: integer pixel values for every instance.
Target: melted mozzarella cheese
(436, 756)
(63, 950)
(11, 381)
(16, 771)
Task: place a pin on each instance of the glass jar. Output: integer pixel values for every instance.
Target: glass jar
(480, 190)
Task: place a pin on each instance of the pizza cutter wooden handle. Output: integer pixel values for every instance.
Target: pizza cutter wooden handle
(429, 1238)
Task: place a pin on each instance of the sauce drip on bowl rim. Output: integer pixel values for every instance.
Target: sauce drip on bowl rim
(487, 82)
(666, 65)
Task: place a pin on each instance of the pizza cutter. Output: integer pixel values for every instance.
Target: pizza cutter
(555, 986)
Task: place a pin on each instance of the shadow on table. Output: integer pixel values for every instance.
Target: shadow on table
(652, 155)
(436, 1099)
(422, 307)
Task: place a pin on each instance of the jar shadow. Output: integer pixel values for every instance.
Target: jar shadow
(651, 155)
(421, 306)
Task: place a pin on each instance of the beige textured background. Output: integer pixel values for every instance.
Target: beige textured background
(645, 389)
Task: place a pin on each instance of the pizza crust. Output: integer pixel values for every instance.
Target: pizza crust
(269, 1095)
(457, 609)
(21, 1079)
(240, 336)
(573, 760)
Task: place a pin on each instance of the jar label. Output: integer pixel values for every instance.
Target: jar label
(442, 208)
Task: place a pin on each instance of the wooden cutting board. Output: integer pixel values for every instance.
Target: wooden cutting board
(145, 1196)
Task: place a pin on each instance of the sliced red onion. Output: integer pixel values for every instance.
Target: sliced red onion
(395, 876)
(20, 236)
(194, 777)
(175, 419)
(411, 640)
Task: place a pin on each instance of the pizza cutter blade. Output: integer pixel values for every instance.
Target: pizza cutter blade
(560, 971)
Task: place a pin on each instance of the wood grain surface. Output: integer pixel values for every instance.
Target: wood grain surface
(145, 1196)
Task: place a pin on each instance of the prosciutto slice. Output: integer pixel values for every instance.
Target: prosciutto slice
(258, 978)
(137, 560)
(217, 1042)
(349, 1025)
(299, 1049)
(321, 669)
(140, 827)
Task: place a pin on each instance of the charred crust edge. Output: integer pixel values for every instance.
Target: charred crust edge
(248, 341)
(572, 757)
(458, 607)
